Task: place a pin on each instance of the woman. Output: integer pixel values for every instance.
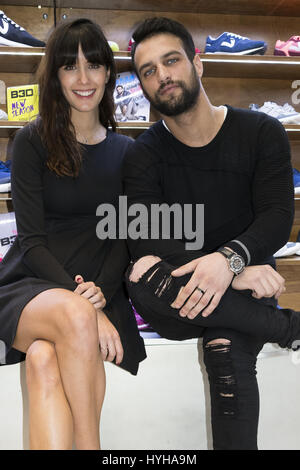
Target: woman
(61, 289)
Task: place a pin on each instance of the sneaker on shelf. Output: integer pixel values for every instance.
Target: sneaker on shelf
(286, 114)
(3, 115)
(11, 34)
(5, 166)
(293, 116)
(114, 46)
(4, 178)
(288, 249)
(231, 43)
(5, 185)
(131, 41)
(288, 48)
(296, 178)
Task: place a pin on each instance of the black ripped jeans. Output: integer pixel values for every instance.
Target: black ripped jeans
(246, 322)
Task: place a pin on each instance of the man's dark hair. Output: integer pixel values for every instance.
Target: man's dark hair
(161, 25)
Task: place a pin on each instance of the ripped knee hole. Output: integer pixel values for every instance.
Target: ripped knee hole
(141, 266)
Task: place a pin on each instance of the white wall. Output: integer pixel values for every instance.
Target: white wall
(167, 405)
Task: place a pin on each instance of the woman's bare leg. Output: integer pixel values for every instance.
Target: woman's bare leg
(69, 322)
(50, 417)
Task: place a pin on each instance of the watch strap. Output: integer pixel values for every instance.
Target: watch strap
(226, 252)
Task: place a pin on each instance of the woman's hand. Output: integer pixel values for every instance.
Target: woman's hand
(90, 291)
(109, 339)
(110, 343)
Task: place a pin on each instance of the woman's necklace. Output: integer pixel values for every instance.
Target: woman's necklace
(95, 138)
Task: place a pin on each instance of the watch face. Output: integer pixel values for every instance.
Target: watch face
(237, 264)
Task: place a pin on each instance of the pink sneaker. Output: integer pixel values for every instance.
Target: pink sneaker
(288, 48)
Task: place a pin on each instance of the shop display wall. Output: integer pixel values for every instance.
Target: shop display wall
(234, 80)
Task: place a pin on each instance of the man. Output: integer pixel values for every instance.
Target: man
(236, 163)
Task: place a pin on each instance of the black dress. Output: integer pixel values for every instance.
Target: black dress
(56, 223)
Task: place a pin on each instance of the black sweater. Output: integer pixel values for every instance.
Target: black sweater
(56, 216)
(243, 177)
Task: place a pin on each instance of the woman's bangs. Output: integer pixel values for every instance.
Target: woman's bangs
(95, 50)
(93, 43)
(68, 50)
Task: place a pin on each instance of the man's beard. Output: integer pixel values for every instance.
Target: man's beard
(182, 103)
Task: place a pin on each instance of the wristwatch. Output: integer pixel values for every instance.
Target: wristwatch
(236, 263)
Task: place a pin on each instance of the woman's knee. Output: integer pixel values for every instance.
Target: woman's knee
(42, 366)
(77, 318)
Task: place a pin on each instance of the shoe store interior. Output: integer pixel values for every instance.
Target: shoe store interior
(250, 51)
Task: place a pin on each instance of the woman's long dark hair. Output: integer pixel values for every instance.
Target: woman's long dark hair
(55, 126)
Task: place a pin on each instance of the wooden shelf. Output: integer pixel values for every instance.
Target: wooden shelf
(234, 66)
(230, 7)
(289, 269)
(256, 66)
(7, 128)
(26, 60)
(20, 59)
(289, 261)
(293, 131)
(5, 197)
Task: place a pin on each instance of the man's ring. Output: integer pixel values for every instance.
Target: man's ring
(201, 290)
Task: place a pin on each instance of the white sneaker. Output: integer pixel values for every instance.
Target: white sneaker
(5, 187)
(289, 249)
(3, 115)
(291, 113)
(286, 114)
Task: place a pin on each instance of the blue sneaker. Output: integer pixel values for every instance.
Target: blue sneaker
(5, 176)
(11, 34)
(296, 177)
(5, 166)
(231, 43)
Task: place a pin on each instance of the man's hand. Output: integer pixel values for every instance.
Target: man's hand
(89, 291)
(109, 339)
(263, 280)
(212, 275)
